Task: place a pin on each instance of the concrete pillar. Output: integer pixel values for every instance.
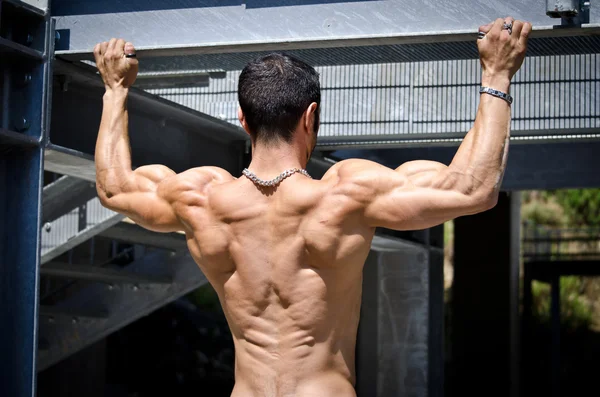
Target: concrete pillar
(485, 301)
(400, 340)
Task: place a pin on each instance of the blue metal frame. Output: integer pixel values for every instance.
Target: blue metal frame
(26, 45)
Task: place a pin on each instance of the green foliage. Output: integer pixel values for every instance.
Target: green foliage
(448, 233)
(582, 206)
(542, 213)
(576, 313)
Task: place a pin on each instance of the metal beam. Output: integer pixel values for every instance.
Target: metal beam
(37, 6)
(160, 131)
(64, 194)
(69, 162)
(134, 234)
(100, 274)
(399, 141)
(204, 28)
(544, 166)
(25, 99)
(124, 304)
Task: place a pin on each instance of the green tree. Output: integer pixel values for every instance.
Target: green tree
(582, 206)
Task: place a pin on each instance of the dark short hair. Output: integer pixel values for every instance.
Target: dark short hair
(274, 91)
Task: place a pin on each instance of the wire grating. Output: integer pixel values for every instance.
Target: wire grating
(441, 97)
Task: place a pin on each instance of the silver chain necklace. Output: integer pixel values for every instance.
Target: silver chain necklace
(275, 181)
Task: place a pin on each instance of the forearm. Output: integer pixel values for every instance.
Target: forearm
(481, 159)
(113, 156)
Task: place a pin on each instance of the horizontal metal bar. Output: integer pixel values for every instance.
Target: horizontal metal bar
(543, 271)
(203, 124)
(450, 139)
(65, 194)
(124, 303)
(542, 257)
(100, 274)
(8, 137)
(561, 239)
(134, 234)
(69, 162)
(172, 79)
(204, 29)
(10, 47)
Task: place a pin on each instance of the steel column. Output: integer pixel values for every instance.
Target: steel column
(26, 47)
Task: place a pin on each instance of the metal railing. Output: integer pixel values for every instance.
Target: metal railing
(547, 243)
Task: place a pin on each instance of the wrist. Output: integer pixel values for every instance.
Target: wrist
(500, 83)
(116, 93)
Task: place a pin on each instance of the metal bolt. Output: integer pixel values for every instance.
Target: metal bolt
(22, 124)
(29, 39)
(111, 287)
(27, 78)
(75, 320)
(47, 226)
(135, 287)
(51, 320)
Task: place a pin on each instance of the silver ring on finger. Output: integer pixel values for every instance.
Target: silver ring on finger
(132, 55)
(480, 35)
(508, 26)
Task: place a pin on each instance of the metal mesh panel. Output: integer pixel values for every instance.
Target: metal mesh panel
(392, 99)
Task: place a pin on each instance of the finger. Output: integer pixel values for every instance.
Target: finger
(97, 53)
(509, 20)
(103, 47)
(120, 47)
(111, 45)
(507, 26)
(129, 48)
(517, 28)
(497, 27)
(486, 28)
(525, 32)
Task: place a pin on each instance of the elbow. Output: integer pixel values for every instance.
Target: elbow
(485, 200)
(105, 195)
(108, 191)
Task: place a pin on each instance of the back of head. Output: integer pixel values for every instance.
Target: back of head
(274, 91)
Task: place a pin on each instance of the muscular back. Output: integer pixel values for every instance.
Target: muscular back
(287, 266)
(287, 262)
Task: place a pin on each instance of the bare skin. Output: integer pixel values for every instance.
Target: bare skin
(287, 262)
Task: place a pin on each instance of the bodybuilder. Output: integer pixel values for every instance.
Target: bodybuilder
(285, 253)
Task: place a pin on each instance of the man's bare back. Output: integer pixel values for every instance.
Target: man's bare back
(286, 261)
(289, 277)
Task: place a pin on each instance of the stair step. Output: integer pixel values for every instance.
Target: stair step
(55, 312)
(100, 274)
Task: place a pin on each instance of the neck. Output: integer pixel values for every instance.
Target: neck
(270, 161)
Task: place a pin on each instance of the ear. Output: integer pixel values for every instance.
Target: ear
(310, 117)
(242, 119)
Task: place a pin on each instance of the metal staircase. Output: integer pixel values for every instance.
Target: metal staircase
(48, 220)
